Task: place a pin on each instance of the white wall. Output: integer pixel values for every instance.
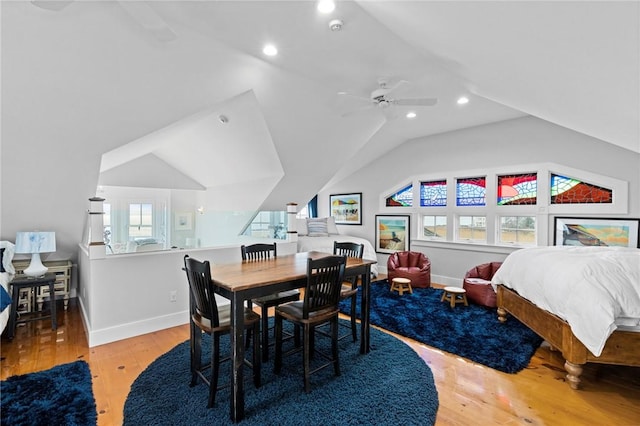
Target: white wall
(127, 295)
(508, 143)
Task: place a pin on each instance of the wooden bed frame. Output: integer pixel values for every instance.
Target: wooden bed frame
(622, 347)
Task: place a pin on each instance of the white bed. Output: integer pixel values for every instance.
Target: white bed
(323, 241)
(6, 277)
(585, 301)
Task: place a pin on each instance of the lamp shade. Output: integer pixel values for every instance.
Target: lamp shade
(35, 243)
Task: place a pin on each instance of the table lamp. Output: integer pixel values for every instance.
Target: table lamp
(35, 243)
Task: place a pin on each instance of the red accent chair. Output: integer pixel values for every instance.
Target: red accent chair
(412, 265)
(477, 283)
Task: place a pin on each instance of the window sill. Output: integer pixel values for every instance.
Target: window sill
(466, 246)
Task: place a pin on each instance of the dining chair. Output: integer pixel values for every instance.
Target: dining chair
(350, 285)
(207, 317)
(319, 306)
(260, 252)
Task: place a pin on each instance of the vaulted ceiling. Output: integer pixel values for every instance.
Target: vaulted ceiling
(96, 76)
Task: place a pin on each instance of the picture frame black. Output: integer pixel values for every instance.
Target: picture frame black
(591, 231)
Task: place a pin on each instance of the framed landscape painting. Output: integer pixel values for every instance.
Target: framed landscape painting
(346, 209)
(392, 233)
(581, 231)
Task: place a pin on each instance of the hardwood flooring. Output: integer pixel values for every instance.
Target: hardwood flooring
(469, 393)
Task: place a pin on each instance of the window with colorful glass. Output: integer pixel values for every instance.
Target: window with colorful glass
(433, 193)
(566, 190)
(471, 191)
(518, 189)
(402, 198)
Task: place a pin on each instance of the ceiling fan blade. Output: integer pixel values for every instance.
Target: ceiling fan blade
(416, 102)
(55, 5)
(353, 96)
(149, 19)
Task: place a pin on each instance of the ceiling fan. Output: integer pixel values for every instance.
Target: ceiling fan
(139, 10)
(383, 99)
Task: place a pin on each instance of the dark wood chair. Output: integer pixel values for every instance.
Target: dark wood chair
(259, 252)
(319, 306)
(349, 286)
(207, 317)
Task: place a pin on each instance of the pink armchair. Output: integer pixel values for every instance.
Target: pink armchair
(477, 283)
(412, 265)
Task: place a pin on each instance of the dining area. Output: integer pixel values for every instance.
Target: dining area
(303, 290)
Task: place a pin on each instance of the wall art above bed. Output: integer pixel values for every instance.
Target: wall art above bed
(346, 209)
(583, 231)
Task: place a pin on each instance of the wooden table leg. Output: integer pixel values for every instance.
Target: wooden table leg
(237, 357)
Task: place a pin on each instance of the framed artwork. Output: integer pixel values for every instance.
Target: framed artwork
(581, 231)
(346, 209)
(392, 233)
(183, 221)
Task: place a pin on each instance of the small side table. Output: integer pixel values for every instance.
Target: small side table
(454, 295)
(33, 283)
(401, 285)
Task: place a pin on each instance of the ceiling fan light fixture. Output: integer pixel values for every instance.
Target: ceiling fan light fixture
(336, 25)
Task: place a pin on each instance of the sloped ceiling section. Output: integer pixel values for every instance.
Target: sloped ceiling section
(573, 63)
(225, 144)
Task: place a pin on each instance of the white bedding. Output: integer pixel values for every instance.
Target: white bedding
(325, 244)
(6, 277)
(591, 288)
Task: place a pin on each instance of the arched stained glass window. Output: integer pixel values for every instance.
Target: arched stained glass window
(402, 198)
(518, 189)
(433, 193)
(566, 190)
(471, 191)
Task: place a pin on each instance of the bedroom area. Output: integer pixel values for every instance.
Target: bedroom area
(468, 133)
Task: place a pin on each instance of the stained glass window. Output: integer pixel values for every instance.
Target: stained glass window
(517, 189)
(566, 190)
(402, 198)
(471, 191)
(433, 193)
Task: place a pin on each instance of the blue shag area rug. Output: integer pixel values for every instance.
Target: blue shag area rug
(61, 395)
(389, 385)
(472, 332)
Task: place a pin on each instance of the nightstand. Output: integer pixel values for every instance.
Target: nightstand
(34, 284)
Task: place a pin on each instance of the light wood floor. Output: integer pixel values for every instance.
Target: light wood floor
(469, 394)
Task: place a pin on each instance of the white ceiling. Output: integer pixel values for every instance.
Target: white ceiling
(575, 64)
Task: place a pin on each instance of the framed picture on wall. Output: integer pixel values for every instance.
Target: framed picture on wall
(392, 233)
(346, 209)
(183, 221)
(582, 231)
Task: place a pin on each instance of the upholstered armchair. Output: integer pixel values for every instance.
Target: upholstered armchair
(477, 283)
(412, 265)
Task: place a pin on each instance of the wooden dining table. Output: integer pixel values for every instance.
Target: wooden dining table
(242, 281)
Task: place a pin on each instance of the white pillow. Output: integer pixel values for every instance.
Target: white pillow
(331, 225)
(7, 256)
(301, 226)
(317, 227)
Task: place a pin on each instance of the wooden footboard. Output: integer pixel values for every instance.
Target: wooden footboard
(622, 347)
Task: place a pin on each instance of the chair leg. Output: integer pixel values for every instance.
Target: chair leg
(334, 345)
(257, 379)
(354, 327)
(196, 353)
(265, 333)
(277, 365)
(215, 369)
(307, 357)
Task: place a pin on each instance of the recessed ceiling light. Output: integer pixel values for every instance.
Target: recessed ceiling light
(270, 50)
(463, 100)
(411, 114)
(326, 6)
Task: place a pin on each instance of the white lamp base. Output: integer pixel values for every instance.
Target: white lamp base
(36, 268)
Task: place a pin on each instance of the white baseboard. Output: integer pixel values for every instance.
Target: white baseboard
(125, 331)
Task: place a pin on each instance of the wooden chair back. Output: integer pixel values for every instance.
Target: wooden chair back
(324, 281)
(260, 251)
(202, 301)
